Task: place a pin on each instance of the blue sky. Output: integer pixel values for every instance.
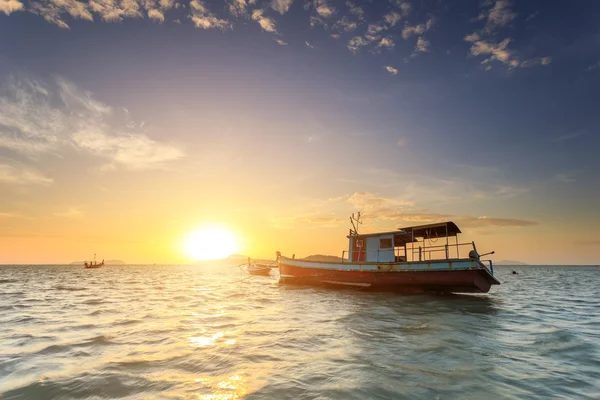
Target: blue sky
(478, 111)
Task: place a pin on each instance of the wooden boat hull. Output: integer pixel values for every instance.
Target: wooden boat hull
(447, 276)
(255, 270)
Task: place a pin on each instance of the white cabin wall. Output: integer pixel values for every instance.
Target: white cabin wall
(375, 254)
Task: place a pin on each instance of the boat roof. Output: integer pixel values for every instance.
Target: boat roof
(440, 229)
(411, 233)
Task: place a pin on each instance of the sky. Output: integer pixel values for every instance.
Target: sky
(125, 125)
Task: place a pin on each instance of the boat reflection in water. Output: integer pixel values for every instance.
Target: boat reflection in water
(407, 260)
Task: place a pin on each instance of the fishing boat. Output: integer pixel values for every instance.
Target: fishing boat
(254, 268)
(93, 264)
(412, 259)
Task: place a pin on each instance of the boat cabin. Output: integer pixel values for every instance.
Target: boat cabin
(413, 243)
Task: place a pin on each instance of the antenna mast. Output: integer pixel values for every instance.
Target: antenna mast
(355, 221)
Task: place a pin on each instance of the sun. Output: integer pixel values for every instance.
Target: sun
(210, 243)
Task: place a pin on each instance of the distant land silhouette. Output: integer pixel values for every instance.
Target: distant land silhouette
(106, 262)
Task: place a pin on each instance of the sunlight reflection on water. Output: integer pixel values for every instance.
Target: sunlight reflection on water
(206, 333)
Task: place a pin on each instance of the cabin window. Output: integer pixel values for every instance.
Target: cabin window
(385, 243)
(359, 243)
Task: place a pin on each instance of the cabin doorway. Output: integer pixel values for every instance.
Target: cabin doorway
(359, 249)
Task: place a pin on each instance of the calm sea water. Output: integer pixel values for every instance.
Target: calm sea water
(211, 332)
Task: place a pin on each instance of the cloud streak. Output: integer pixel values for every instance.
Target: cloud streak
(382, 208)
(37, 118)
(22, 176)
(391, 70)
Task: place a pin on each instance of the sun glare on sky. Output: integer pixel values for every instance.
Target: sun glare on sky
(210, 243)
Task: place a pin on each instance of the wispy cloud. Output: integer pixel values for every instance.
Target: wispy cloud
(499, 15)
(386, 42)
(22, 176)
(569, 136)
(392, 18)
(485, 41)
(239, 8)
(422, 45)
(48, 118)
(377, 206)
(281, 6)
(535, 61)
(495, 51)
(356, 10)
(344, 25)
(356, 43)
(418, 30)
(391, 70)
(203, 18)
(323, 8)
(135, 151)
(382, 208)
(10, 6)
(53, 11)
(405, 7)
(266, 23)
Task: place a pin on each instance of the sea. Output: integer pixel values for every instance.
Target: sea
(211, 331)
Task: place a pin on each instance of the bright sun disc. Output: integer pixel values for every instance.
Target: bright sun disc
(210, 243)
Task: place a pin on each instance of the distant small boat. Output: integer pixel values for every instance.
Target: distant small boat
(93, 264)
(265, 265)
(254, 268)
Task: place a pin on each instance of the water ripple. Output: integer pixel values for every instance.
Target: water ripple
(211, 333)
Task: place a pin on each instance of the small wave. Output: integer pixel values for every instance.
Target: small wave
(94, 301)
(111, 385)
(55, 348)
(100, 340)
(415, 327)
(8, 280)
(69, 288)
(128, 322)
(20, 320)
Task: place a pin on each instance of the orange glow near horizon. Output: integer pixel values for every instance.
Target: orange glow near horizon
(210, 243)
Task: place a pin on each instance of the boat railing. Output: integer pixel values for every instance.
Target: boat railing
(491, 268)
(421, 253)
(424, 252)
